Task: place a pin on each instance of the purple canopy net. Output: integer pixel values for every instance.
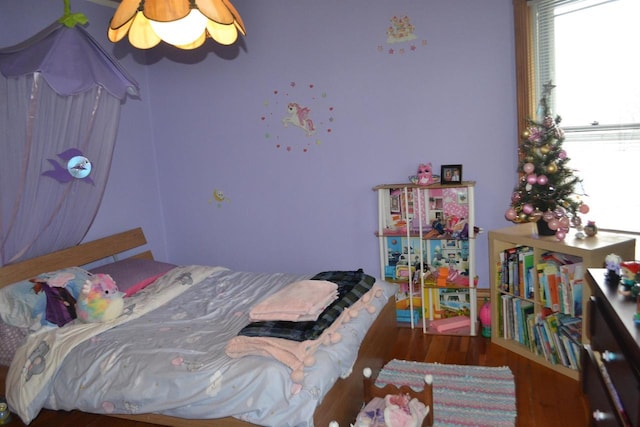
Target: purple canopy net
(61, 97)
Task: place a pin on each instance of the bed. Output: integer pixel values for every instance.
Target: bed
(315, 398)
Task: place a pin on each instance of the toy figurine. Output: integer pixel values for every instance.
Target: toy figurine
(612, 262)
(630, 274)
(590, 229)
(635, 293)
(424, 176)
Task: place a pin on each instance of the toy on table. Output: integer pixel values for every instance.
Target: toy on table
(100, 300)
(425, 175)
(612, 262)
(635, 292)
(629, 271)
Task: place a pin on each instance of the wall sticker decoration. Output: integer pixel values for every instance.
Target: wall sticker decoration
(298, 118)
(218, 197)
(75, 166)
(401, 35)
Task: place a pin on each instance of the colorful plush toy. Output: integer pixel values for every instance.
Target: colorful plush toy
(425, 174)
(100, 300)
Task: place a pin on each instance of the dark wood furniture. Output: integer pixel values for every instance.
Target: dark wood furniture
(611, 359)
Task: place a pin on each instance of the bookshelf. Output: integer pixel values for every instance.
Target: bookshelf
(427, 243)
(533, 292)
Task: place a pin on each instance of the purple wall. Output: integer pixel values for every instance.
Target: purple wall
(212, 119)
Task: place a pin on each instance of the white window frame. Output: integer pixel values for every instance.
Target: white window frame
(615, 139)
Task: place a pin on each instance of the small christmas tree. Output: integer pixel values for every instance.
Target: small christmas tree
(545, 191)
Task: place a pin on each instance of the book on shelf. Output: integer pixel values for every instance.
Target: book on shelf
(571, 327)
(516, 314)
(547, 344)
(560, 279)
(558, 339)
(516, 270)
(571, 279)
(571, 333)
(507, 316)
(554, 336)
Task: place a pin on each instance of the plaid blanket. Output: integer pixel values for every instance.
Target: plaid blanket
(352, 285)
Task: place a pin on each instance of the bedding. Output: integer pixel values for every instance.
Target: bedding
(134, 274)
(296, 355)
(166, 354)
(299, 301)
(352, 285)
(21, 307)
(11, 338)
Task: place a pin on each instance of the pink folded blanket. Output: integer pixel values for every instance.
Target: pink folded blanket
(296, 302)
(297, 355)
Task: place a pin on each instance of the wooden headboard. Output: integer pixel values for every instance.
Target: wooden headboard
(79, 255)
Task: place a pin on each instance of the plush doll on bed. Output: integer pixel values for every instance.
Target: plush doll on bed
(60, 304)
(100, 300)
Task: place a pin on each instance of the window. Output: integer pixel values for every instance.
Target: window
(589, 50)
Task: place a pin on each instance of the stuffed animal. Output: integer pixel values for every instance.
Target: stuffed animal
(425, 174)
(100, 300)
(402, 411)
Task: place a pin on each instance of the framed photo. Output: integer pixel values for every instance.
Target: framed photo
(395, 202)
(450, 174)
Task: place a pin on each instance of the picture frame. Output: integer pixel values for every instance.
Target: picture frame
(450, 174)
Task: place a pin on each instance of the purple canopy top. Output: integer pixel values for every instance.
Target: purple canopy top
(70, 60)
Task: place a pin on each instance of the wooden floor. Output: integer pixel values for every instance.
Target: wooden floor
(544, 398)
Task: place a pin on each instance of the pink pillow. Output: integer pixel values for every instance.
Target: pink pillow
(134, 274)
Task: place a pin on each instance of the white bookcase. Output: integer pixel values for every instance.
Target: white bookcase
(426, 236)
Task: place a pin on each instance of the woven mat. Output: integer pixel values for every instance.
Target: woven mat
(463, 395)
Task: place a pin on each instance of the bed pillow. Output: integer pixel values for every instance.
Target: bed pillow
(10, 339)
(21, 307)
(134, 274)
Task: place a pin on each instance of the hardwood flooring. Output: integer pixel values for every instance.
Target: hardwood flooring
(544, 397)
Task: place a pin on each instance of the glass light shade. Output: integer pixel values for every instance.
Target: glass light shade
(183, 31)
(183, 23)
(223, 34)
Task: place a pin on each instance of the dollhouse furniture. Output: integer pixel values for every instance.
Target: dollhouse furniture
(108, 363)
(611, 361)
(427, 242)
